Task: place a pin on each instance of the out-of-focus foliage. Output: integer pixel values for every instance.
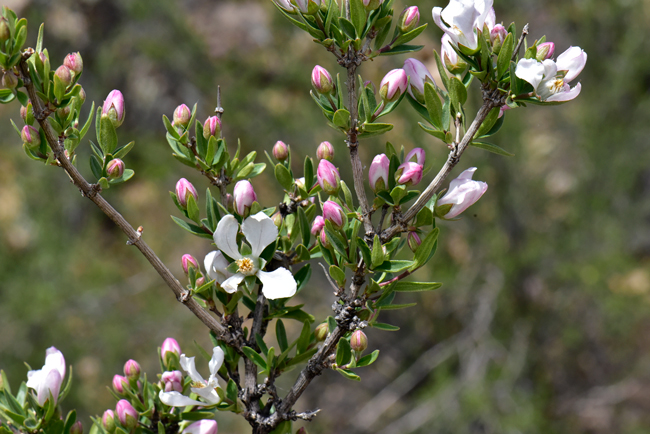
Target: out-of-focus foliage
(541, 325)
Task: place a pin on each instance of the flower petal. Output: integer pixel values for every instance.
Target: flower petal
(225, 237)
(176, 399)
(54, 360)
(278, 283)
(50, 384)
(187, 363)
(207, 393)
(260, 231)
(530, 70)
(572, 60)
(230, 285)
(216, 266)
(216, 361)
(566, 95)
(466, 174)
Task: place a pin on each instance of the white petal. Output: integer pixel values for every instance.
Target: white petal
(54, 360)
(207, 393)
(216, 361)
(51, 384)
(467, 173)
(187, 363)
(277, 284)
(530, 70)
(231, 284)
(567, 95)
(175, 399)
(260, 231)
(216, 266)
(572, 60)
(225, 237)
(34, 378)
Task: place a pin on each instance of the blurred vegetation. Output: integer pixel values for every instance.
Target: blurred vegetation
(541, 325)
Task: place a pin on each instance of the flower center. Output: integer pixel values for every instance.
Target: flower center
(198, 385)
(457, 30)
(556, 85)
(245, 265)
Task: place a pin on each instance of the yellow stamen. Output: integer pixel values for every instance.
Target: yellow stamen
(198, 385)
(557, 85)
(245, 265)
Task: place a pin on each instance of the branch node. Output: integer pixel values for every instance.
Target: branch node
(138, 235)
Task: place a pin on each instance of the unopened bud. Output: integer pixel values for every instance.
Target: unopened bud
(280, 150)
(318, 225)
(169, 345)
(74, 63)
(230, 202)
(409, 173)
(322, 80)
(409, 19)
(185, 189)
(108, 421)
(211, 127)
(119, 383)
(277, 219)
(77, 428)
(9, 80)
(323, 239)
(82, 95)
(182, 115)
(497, 36)
(359, 341)
(5, 32)
(325, 151)
(126, 414)
(371, 5)
(203, 426)
(379, 172)
(172, 381)
(545, 51)
(31, 137)
(393, 85)
(413, 240)
(25, 110)
(188, 261)
(199, 282)
(115, 169)
(64, 74)
(308, 7)
(321, 332)
(328, 177)
(333, 213)
(132, 369)
(114, 107)
(244, 196)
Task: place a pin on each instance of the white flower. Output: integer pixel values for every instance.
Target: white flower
(461, 18)
(216, 266)
(48, 379)
(205, 389)
(551, 79)
(463, 193)
(260, 231)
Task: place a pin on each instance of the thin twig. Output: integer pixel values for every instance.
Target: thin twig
(524, 32)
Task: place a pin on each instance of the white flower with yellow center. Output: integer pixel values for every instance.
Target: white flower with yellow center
(260, 231)
(205, 389)
(461, 20)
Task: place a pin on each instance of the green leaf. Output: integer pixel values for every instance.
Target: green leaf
(348, 28)
(347, 194)
(193, 209)
(394, 266)
(349, 374)
(441, 70)
(308, 171)
(433, 105)
(409, 36)
(193, 229)
(503, 61)
(343, 352)
(386, 327)
(304, 338)
(457, 92)
(358, 16)
(283, 176)
(422, 253)
(253, 356)
(197, 415)
(281, 335)
(107, 135)
(302, 276)
(368, 359)
(377, 252)
(123, 150)
(403, 286)
(304, 226)
(342, 119)
(338, 275)
(374, 129)
(402, 49)
(398, 306)
(335, 240)
(489, 122)
(492, 148)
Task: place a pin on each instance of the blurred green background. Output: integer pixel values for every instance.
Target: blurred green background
(543, 322)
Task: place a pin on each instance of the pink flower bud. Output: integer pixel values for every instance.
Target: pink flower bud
(5, 32)
(119, 383)
(318, 225)
(182, 116)
(199, 282)
(321, 332)
(497, 36)
(418, 154)
(378, 172)
(64, 74)
(244, 196)
(169, 345)
(309, 7)
(418, 74)
(74, 63)
(277, 218)
(322, 80)
(132, 369)
(452, 62)
(31, 137)
(108, 421)
(280, 150)
(230, 202)
(114, 107)
(545, 51)
(323, 239)
(115, 168)
(25, 110)
(126, 414)
(409, 19)
(371, 5)
(325, 151)
(211, 127)
(328, 177)
(413, 240)
(203, 426)
(393, 85)
(463, 193)
(409, 173)
(9, 80)
(82, 95)
(188, 261)
(185, 189)
(286, 5)
(358, 341)
(77, 428)
(333, 212)
(172, 381)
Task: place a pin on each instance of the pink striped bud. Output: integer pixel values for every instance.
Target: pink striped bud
(77, 428)
(323, 239)
(108, 421)
(545, 51)
(393, 85)
(119, 383)
(308, 7)
(453, 63)
(318, 225)
(409, 19)
(244, 196)
(358, 341)
(328, 177)
(211, 127)
(280, 150)
(114, 107)
(169, 345)
(322, 80)
(9, 80)
(418, 154)
(182, 116)
(115, 168)
(64, 74)
(371, 5)
(31, 137)
(321, 332)
(409, 173)
(325, 151)
(185, 189)
(413, 240)
(378, 173)
(132, 369)
(172, 381)
(418, 75)
(203, 426)
(497, 36)
(74, 63)
(126, 414)
(188, 261)
(333, 213)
